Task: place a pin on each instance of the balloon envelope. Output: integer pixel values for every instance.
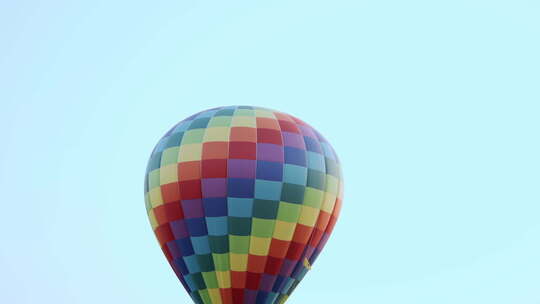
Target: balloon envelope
(242, 201)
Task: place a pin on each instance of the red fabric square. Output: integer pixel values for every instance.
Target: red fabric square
(316, 238)
(288, 126)
(253, 280)
(269, 136)
(164, 234)
(243, 134)
(273, 265)
(256, 263)
(214, 168)
(238, 295)
(168, 212)
(190, 189)
(295, 251)
(267, 123)
(242, 150)
(170, 192)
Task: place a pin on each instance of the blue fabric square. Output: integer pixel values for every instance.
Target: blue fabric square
(269, 170)
(268, 190)
(192, 264)
(215, 206)
(240, 187)
(181, 266)
(185, 246)
(295, 156)
(316, 161)
(196, 226)
(312, 144)
(294, 174)
(217, 225)
(200, 244)
(240, 207)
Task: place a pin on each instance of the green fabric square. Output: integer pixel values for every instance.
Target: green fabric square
(225, 112)
(244, 112)
(206, 263)
(199, 123)
(210, 279)
(219, 244)
(265, 209)
(153, 179)
(197, 278)
(193, 136)
(239, 225)
(332, 167)
(169, 156)
(154, 162)
(220, 121)
(292, 193)
(288, 212)
(205, 297)
(316, 179)
(239, 244)
(262, 227)
(174, 140)
(221, 261)
(313, 197)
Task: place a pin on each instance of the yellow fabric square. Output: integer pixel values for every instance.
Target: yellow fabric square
(259, 246)
(328, 202)
(215, 296)
(308, 216)
(168, 174)
(152, 218)
(244, 121)
(224, 279)
(190, 152)
(331, 184)
(216, 134)
(238, 261)
(283, 230)
(264, 113)
(155, 197)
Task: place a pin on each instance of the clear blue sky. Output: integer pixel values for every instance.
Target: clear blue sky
(433, 107)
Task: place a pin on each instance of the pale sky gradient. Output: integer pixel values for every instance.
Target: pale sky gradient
(433, 107)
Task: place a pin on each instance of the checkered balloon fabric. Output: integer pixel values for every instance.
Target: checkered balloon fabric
(242, 201)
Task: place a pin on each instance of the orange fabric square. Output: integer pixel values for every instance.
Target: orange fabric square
(283, 116)
(170, 192)
(215, 150)
(267, 123)
(323, 219)
(238, 279)
(256, 263)
(189, 170)
(243, 134)
(302, 234)
(278, 248)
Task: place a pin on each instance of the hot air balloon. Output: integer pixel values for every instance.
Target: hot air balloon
(242, 200)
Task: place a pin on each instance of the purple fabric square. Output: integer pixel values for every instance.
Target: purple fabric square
(250, 296)
(287, 268)
(174, 250)
(270, 152)
(179, 229)
(267, 282)
(307, 131)
(193, 208)
(293, 140)
(241, 168)
(214, 187)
